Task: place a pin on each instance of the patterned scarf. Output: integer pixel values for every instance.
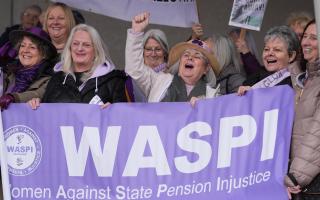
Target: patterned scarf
(160, 67)
(24, 77)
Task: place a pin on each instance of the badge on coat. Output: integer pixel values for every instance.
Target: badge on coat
(96, 100)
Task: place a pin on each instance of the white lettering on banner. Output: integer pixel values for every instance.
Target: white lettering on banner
(183, 190)
(83, 193)
(270, 134)
(149, 135)
(30, 192)
(76, 160)
(242, 182)
(158, 159)
(198, 146)
(141, 192)
(227, 142)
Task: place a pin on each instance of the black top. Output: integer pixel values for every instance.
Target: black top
(63, 88)
(261, 74)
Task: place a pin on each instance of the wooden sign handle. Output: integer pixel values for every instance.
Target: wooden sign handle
(242, 33)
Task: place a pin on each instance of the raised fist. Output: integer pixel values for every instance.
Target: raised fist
(140, 22)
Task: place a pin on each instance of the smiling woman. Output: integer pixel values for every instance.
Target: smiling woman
(86, 73)
(58, 22)
(304, 171)
(155, 56)
(281, 49)
(192, 66)
(28, 77)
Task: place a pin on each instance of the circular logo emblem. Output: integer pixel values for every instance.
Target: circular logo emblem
(24, 150)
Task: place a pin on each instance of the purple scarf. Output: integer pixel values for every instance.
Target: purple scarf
(24, 78)
(160, 68)
(7, 50)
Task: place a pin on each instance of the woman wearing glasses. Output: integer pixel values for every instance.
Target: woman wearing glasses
(192, 68)
(155, 56)
(85, 74)
(156, 49)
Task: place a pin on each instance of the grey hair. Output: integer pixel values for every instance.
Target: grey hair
(225, 52)
(100, 50)
(287, 35)
(160, 37)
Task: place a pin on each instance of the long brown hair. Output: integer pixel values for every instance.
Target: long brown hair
(303, 62)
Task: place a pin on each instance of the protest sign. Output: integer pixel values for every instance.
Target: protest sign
(248, 14)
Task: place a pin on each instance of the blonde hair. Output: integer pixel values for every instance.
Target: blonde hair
(66, 9)
(100, 50)
(298, 18)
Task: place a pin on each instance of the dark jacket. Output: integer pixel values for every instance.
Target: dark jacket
(36, 89)
(261, 74)
(62, 88)
(230, 80)
(250, 63)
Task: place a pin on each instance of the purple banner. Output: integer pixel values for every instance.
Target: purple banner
(228, 148)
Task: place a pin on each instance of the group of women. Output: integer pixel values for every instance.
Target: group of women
(61, 63)
(65, 62)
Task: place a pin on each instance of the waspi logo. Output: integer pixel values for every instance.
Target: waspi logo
(24, 150)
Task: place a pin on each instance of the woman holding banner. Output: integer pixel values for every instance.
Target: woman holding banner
(280, 50)
(192, 64)
(304, 172)
(85, 74)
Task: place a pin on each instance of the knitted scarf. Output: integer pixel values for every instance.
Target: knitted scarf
(24, 77)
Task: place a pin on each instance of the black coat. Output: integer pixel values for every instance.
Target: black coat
(261, 74)
(111, 88)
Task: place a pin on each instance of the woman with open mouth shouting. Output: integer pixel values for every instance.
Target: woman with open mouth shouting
(192, 66)
(281, 48)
